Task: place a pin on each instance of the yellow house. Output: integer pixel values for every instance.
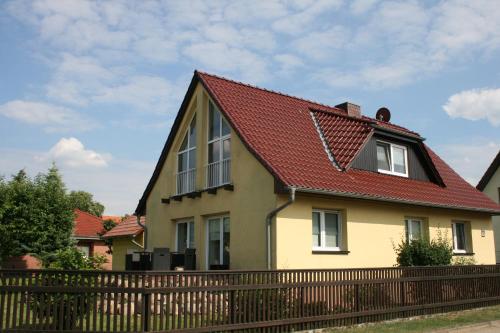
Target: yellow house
(490, 185)
(255, 179)
(128, 238)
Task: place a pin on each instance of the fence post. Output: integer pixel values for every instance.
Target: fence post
(403, 293)
(146, 311)
(357, 306)
(232, 303)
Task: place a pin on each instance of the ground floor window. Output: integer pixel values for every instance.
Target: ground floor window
(218, 242)
(326, 230)
(185, 236)
(85, 249)
(459, 237)
(413, 229)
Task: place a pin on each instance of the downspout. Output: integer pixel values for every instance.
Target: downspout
(269, 221)
(143, 226)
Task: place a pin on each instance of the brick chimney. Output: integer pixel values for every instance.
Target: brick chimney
(352, 110)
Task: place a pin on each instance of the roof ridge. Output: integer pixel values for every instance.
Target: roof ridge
(89, 214)
(268, 90)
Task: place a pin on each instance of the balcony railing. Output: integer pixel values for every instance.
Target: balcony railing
(186, 181)
(218, 173)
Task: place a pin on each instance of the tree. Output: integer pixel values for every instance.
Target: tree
(35, 215)
(108, 225)
(84, 201)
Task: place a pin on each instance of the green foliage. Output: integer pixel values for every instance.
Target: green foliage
(464, 261)
(35, 215)
(84, 201)
(71, 258)
(108, 225)
(422, 252)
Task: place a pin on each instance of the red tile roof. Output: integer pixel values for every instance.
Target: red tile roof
(280, 131)
(128, 227)
(114, 218)
(344, 135)
(87, 225)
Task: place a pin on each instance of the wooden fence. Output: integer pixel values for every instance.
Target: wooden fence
(274, 301)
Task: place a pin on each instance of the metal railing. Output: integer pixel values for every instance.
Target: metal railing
(218, 173)
(201, 301)
(186, 181)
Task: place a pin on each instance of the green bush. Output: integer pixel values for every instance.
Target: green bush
(464, 261)
(422, 252)
(71, 258)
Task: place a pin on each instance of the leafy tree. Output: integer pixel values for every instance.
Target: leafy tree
(35, 215)
(422, 252)
(108, 225)
(84, 201)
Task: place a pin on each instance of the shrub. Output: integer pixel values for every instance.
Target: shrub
(422, 252)
(71, 258)
(464, 261)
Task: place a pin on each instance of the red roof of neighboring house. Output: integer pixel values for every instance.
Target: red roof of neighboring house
(87, 225)
(281, 133)
(128, 227)
(114, 218)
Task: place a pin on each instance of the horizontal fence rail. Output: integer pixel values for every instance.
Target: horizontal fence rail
(257, 301)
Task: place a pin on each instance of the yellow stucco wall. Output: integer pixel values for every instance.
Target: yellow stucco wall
(247, 205)
(120, 247)
(491, 190)
(371, 230)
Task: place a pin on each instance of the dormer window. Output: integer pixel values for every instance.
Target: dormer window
(392, 159)
(219, 149)
(186, 161)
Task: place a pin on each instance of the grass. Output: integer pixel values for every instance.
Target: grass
(426, 324)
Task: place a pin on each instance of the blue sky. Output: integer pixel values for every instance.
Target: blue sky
(94, 86)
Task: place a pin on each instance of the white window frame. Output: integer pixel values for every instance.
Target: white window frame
(322, 233)
(186, 151)
(409, 228)
(221, 235)
(221, 140)
(188, 233)
(391, 162)
(455, 240)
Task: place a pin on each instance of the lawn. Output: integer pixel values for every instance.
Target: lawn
(429, 323)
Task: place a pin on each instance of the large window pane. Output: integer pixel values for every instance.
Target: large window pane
(383, 156)
(460, 236)
(181, 236)
(226, 241)
(331, 230)
(214, 242)
(184, 143)
(416, 229)
(192, 133)
(226, 153)
(214, 122)
(191, 235)
(214, 152)
(399, 159)
(225, 127)
(182, 162)
(192, 159)
(316, 234)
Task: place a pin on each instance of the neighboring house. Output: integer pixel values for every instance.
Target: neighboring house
(490, 185)
(87, 233)
(127, 238)
(336, 188)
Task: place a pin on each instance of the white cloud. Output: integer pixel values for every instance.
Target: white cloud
(51, 118)
(223, 58)
(359, 7)
(70, 152)
(106, 183)
(475, 104)
(321, 45)
(470, 159)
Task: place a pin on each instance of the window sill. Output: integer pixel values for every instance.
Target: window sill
(330, 252)
(464, 254)
(385, 172)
